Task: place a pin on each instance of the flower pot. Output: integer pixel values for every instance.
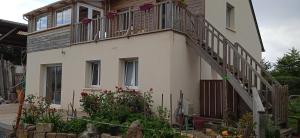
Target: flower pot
(111, 14)
(180, 3)
(146, 7)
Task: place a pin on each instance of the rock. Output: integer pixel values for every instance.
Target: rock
(134, 130)
(30, 128)
(61, 135)
(44, 127)
(104, 135)
(72, 136)
(50, 135)
(91, 132)
(39, 135)
(2, 101)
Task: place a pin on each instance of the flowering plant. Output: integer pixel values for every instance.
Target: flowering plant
(110, 102)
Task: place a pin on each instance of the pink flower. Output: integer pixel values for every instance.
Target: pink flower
(83, 94)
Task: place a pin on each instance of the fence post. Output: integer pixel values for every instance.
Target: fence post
(171, 110)
(258, 114)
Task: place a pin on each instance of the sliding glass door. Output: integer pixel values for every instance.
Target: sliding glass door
(53, 84)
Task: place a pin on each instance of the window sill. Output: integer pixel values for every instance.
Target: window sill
(92, 89)
(132, 87)
(56, 106)
(231, 29)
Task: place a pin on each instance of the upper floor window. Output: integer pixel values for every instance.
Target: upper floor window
(42, 22)
(230, 16)
(63, 16)
(131, 73)
(123, 20)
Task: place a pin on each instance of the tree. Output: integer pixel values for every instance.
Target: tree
(287, 70)
(266, 64)
(11, 54)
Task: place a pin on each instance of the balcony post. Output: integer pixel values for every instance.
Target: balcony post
(129, 22)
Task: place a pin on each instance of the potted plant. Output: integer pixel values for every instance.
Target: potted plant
(146, 6)
(111, 14)
(181, 3)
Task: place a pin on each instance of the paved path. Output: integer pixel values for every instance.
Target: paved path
(8, 114)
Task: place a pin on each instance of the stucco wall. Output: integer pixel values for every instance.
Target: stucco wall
(245, 30)
(157, 69)
(185, 72)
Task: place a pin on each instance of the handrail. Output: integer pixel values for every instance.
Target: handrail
(259, 64)
(231, 46)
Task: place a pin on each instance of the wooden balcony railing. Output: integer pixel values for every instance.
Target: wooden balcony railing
(160, 16)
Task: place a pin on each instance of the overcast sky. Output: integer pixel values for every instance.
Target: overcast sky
(279, 21)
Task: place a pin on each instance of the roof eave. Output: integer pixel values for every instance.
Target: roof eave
(40, 10)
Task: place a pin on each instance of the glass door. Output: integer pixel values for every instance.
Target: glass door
(53, 84)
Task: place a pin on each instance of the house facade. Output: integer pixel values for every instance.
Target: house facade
(170, 46)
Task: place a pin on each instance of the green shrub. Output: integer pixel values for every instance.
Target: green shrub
(75, 126)
(123, 107)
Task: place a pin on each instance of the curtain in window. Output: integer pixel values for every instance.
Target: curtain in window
(95, 73)
(53, 84)
(131, 73)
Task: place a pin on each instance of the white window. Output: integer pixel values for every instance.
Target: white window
(95, 72)
(123, 20)
(63, 16)
(131, 73)
(230, 16)
(53, 83)
(41, 23)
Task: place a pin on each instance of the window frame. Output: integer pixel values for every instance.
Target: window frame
(62, 10)
(123, 20)
(45, 68)
(135, 73)
(230, 16)
(90, 11)
(91, 73)
(38, 18)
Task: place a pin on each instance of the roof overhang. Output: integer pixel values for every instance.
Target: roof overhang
(46, 8)
(13, 34)
(58, 4)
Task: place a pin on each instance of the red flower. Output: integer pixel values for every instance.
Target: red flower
(146, 6)
(83, 94)
(105, 91)
(86, 21)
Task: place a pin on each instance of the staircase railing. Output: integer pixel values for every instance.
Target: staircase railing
(236, 61)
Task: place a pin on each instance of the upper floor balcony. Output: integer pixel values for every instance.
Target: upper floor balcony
(69, 22)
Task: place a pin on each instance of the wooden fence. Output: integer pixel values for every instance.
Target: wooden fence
(8, 79)
(212, 96)
(280, 103)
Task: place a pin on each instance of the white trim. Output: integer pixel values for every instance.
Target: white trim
(56, 106)
(62, 9)
(90, 11)
(90, 72)
(37, 18)
(135, 63)
(45, 80)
